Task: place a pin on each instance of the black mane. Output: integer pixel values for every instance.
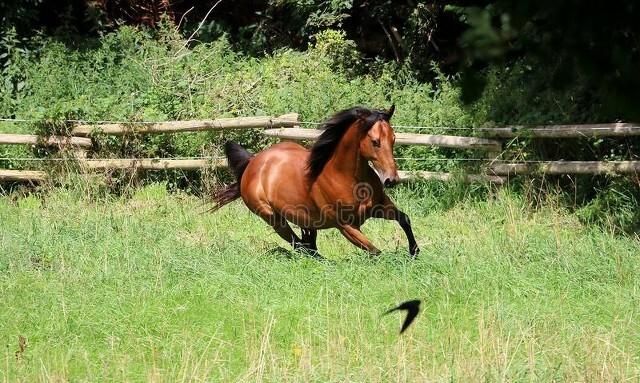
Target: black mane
(334, 128)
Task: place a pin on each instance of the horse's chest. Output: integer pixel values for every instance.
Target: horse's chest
(364, 207)
(351, 207)
(353, 212)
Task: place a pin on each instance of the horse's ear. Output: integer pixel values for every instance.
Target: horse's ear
(390, 111)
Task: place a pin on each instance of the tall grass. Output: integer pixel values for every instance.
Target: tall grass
(152, 288)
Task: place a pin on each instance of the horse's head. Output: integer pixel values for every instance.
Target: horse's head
(377, 147)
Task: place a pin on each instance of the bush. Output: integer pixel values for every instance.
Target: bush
(134, 74)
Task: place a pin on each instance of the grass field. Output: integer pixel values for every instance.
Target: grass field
(151, 288)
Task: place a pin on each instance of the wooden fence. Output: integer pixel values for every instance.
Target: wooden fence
(286, 127)
(456, 142)
(618, 129)
(31, 139)
(22, 175)
(119, 129)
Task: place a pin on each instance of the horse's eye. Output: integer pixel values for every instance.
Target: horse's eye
(376, 143)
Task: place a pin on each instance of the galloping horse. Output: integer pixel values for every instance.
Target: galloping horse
(331, 185)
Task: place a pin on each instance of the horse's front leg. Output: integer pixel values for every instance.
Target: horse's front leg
(355, 236)
(388, 210)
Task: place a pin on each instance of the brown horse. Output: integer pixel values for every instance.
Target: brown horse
(331, 185)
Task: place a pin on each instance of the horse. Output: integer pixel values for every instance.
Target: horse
(330, 185)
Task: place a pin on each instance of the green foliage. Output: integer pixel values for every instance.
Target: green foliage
(615, 207)
(320, 14)
(519, 94)
(16, 52)
(333, 45)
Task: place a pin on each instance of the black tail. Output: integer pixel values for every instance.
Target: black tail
(238, 158)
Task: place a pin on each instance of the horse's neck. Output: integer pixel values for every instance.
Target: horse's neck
(347, 160)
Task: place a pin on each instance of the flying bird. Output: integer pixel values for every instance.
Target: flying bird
(412, 308)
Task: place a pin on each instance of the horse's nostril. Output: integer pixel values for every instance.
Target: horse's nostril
(389, 182)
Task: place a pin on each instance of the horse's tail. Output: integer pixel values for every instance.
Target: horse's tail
(238, 158)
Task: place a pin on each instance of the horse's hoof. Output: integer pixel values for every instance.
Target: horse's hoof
(315, 254)
(308, 252)
(414, 251)
(375, 253)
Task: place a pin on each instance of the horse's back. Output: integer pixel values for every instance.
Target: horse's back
(281, 154)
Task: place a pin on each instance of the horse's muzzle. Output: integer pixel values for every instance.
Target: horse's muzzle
(391, 182)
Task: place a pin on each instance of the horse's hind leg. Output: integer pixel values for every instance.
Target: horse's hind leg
(309, 239)
(306, 243)
(309, 242)
(281, 226)
(285, 231)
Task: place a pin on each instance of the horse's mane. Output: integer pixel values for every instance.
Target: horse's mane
(334, 128)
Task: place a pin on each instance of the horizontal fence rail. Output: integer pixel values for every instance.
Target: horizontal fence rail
(197, 164)
(618, 129)
(165, 164)
(151, 164)
(120, 129)
(22, 175)
(468, 178)
(32, 139)
(401, 139)
(567, 167)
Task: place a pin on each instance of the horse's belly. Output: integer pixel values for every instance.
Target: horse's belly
(328, 216)
(306, 217)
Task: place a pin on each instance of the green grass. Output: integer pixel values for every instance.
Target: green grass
(151, 288)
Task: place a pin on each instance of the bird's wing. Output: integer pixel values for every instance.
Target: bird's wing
(411, 315)
(392, 310)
